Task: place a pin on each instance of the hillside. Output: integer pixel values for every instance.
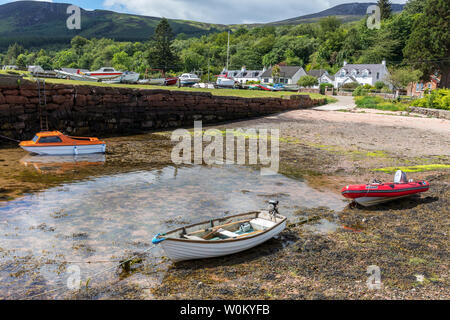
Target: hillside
(36, 23)
(346, 12)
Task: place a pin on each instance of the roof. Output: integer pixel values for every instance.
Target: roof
(317, 72)
(243, 74)
(372, 68)
(249, 74)
(285, 71)
(48, 133)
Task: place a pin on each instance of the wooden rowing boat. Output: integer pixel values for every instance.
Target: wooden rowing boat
(223, 236)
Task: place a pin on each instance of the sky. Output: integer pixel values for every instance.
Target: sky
(214, 11)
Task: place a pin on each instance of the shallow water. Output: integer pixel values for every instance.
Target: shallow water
(110, 217)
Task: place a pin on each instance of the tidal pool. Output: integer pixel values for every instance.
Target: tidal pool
(110, 217)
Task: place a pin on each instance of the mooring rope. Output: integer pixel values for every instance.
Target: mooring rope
(94, 275)
(4, 137)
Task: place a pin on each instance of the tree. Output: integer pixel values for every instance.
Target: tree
(21, 60)
(45, 62)
(78, 43)
(276, 71)
(428, 47)
(161, 56)
(400, 78)
(385, 9)
(307, 81)
(13, 52)
(414, 6)
(121, 61)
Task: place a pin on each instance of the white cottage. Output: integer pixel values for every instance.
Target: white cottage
(288, 75)
(361, 73)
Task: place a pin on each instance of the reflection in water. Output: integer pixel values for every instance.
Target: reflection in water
(109, 217)
(62, 164)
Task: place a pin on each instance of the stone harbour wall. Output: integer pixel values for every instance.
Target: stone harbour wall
(438, 113)
(96, 110)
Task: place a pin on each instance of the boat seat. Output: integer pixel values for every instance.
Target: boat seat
(261, 224)
(227, 233)
(193, 237)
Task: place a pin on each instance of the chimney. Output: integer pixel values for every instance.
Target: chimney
(243, 69)
(345, 63)
(383, 62)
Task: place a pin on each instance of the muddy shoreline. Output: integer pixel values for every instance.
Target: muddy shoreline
(407, 239)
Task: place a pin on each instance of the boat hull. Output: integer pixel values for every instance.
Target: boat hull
(180, 250)
(66, 150)
(371, 201)
(372, 194)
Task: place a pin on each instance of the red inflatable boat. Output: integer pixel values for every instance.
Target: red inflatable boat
(375, 193)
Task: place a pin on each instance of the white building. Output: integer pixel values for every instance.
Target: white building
(243, 76)
(322, 76)
(361, 73)
(288, 75)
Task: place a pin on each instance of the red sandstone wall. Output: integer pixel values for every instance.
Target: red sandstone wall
(84, 109)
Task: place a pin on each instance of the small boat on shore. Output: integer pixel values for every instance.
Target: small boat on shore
(105, 73)
(223, 236)
(56, 143)
(377, 192)
(189, 79)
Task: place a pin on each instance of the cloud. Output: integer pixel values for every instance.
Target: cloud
(225, 11)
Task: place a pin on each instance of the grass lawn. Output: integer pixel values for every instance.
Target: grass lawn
(216, 92)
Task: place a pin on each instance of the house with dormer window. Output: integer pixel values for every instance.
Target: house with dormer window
(362, 74)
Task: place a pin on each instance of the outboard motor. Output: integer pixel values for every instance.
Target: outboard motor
(400, 177)
(273, 210)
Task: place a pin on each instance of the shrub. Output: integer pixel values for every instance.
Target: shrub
(325, 85)
(307, 81)
(379, 85)
(360, 91)
(350, 85)
(437, 99)
(379, 103)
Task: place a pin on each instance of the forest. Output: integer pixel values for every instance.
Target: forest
(414, 40)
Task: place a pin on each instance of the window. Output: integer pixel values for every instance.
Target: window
(35, 139)
(354, 72)
(378, 75)
(342, 73)
(53, 139)
(266, 80)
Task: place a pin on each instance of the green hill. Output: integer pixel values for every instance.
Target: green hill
(34, 23)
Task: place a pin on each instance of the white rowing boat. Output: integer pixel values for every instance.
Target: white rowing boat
(223, 236)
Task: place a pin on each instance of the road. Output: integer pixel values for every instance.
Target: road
(343, 102)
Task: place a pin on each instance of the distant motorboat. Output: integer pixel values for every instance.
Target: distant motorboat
(104, 73)
(224, 82)
(126, 77)
(74, 76)
(189, 79)
(204, 85)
